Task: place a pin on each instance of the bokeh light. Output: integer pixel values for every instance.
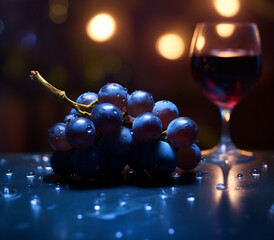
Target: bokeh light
(227, 8)
(225, 29)
(200, 43)
(101, 27)
(58, 11)
(170, 46)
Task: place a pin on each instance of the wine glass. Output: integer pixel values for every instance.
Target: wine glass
(226, 63)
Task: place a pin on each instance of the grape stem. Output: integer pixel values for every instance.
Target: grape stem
(82, 109)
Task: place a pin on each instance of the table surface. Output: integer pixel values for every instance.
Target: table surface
(211, 202)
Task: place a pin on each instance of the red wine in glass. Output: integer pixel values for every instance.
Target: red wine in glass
(226, 64)
(226, 76)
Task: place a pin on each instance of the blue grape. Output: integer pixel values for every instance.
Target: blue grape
(89, 162)
(113, 93)
(57, 139)
(166, 111)
(80, 132)
(189, 158)
(134, 158)
(121, 142)
(69, 117)
(61, 162)
(73, 111)
(147, 127)
(87, 98)
(107, 118)
(158, 158)
(114, 164)
(139, 102)
(182, 132)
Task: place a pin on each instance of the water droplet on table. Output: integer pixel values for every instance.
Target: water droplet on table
(35, 201)
(255, 172)
(9, 173)
(240, 176)
(30, 175)
(8, 192)
(175, 175)
(57, 187)
(199, 175)
(118, 234)
(190, 199)
(147, 207)
(220, 186)
(264, 165)
(171, 231)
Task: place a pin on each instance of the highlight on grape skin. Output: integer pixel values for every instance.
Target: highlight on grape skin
(101, 139)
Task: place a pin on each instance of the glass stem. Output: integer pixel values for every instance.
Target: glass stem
(225, 141)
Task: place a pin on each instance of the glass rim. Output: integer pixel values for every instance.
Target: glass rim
(227, 22)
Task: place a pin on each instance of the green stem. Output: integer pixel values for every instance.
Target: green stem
(82, 109)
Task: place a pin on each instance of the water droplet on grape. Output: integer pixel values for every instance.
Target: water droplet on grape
(240, 176)
(89, 128)
(255, 172)
(79, 216)
(220, 186)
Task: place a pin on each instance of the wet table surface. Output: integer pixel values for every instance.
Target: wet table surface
(223, 201)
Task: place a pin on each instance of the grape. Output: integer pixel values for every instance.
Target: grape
(139, 102)
(57, 139)
(69, 117)
(88, 163)
(114, 164)
(134, 159)
(166, 111)
(73, 111)
(107, 118)
(113, 93)
(61, 162)
(121, 142)
(147, 127)
(182, 132)
(87, 98)
(158, 158)
(80, 132)
(189, 158)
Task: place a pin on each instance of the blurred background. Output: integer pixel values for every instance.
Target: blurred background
(142, 44)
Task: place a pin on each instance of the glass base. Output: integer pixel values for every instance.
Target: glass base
(226, 154)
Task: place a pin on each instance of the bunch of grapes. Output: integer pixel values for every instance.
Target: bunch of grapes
(123, 129)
